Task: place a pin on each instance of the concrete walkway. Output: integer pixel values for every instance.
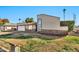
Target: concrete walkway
(4, 33)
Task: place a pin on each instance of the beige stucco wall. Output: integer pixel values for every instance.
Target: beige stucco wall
(64, 28)
(48, 22)
(30, 27)
(75, 29)
(9, 27)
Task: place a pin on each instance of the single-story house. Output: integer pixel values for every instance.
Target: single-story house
(50, 25)
(18, 27)
(26, 26)
(76, 29)
(8, 27)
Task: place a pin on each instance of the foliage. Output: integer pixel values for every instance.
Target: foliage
(29, 20)
(70, 24)
(39, 44)
(72, 39)
(33, 45)
(16, 37)
(25, 37)
(3, 21)
(68, 44)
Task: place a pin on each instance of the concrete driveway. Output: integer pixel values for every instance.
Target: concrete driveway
(3, 33)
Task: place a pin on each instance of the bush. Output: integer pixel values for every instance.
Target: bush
(33, 45)
(23, 37)
(72, 39)
(70, 24)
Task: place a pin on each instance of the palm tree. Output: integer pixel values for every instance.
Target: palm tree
(64, 11)
(19, 20)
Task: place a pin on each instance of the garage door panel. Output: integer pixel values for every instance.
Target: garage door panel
(21, 28)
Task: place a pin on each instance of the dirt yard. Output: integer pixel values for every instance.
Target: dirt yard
(30, 41)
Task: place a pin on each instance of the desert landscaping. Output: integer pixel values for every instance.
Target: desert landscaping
(35, 42)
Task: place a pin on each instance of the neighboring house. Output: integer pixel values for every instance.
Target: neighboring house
(18, 27)
(26, 26)
(50, 24)
(76, 29)
(8, 27)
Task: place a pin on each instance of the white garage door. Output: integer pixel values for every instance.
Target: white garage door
(21, 28)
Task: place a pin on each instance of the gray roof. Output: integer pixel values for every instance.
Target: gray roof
(10, 24)
(48, 15)
(15, 24)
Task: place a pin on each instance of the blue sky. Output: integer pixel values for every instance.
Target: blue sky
(13, 13)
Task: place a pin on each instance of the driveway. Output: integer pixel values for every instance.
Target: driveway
(3, 33)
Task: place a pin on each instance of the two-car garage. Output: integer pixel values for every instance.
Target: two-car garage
(26, 27)
(18, 27)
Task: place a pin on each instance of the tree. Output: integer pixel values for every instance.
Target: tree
(3, 21)
(29, 20)
(69, 23)
(64, 11)
(19, 20)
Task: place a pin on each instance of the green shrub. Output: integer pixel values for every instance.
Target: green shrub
(67, 48)
(23, 37)
(69, 23)
(72, 39)
(6, 36)
(33, 45)
(70, 44)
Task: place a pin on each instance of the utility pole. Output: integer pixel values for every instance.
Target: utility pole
(64, 11)
(74, 17)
